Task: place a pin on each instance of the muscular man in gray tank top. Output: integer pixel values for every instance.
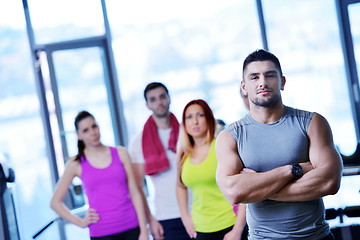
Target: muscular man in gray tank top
(279, 160)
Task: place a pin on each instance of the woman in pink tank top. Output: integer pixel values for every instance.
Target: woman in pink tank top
(116, 210)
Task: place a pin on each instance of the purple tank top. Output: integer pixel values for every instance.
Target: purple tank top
(107, 192)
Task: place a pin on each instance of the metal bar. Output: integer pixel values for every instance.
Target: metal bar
(43, 105)
(349, 60)
(116, 107)
(262, 24)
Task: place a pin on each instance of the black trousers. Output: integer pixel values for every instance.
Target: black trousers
(219, 235)
(132, 234)
(174, 229)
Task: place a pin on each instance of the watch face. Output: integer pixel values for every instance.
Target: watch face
(297, 171)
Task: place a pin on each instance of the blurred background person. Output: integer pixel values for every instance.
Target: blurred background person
(116, 211)
(212, 216)
(153, 154)
(220, 125)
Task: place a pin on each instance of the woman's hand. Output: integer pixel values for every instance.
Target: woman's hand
(189, 226)
(156, 229)
(233, 235)
(91, 216)
(144, 235)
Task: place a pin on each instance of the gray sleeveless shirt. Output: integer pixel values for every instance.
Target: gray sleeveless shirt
(263, 147)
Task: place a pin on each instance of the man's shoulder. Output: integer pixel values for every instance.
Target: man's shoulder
(135, 149)
(297, 111)
(302, 116)
(242, 121)
(136, 140)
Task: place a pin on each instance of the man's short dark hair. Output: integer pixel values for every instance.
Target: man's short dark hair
(221, 122)
(262, 55)
(154, 85)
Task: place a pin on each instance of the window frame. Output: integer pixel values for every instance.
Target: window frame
(351, 73)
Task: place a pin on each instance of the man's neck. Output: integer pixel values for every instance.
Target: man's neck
(162, 122)
(267, 115)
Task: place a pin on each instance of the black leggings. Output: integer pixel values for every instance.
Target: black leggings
(219, 235)
(174, 229)
(132, 234)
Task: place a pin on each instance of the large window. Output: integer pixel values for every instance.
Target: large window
(81, 86)
(354, 15)
(195, 48)
(312, 61)
(22, 140)
(55, 21)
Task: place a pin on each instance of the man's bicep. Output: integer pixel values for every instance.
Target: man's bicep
(324, 157)
(229, 162)
(322, 150)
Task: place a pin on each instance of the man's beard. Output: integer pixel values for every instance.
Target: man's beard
(267, 103)
(162, 114)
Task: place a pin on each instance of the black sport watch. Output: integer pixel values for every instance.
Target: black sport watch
(296, 171)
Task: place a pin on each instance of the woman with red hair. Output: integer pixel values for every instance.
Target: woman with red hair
(212, 216)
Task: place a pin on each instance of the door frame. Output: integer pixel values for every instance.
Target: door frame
(351, 72)
(111, 82)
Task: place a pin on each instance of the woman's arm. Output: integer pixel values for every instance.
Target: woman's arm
(72, 170)
(182, 198)
(135, 192)
(138, 166)
(238, 228)
(156, 228)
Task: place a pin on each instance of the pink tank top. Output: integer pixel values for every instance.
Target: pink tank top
(107, 192)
